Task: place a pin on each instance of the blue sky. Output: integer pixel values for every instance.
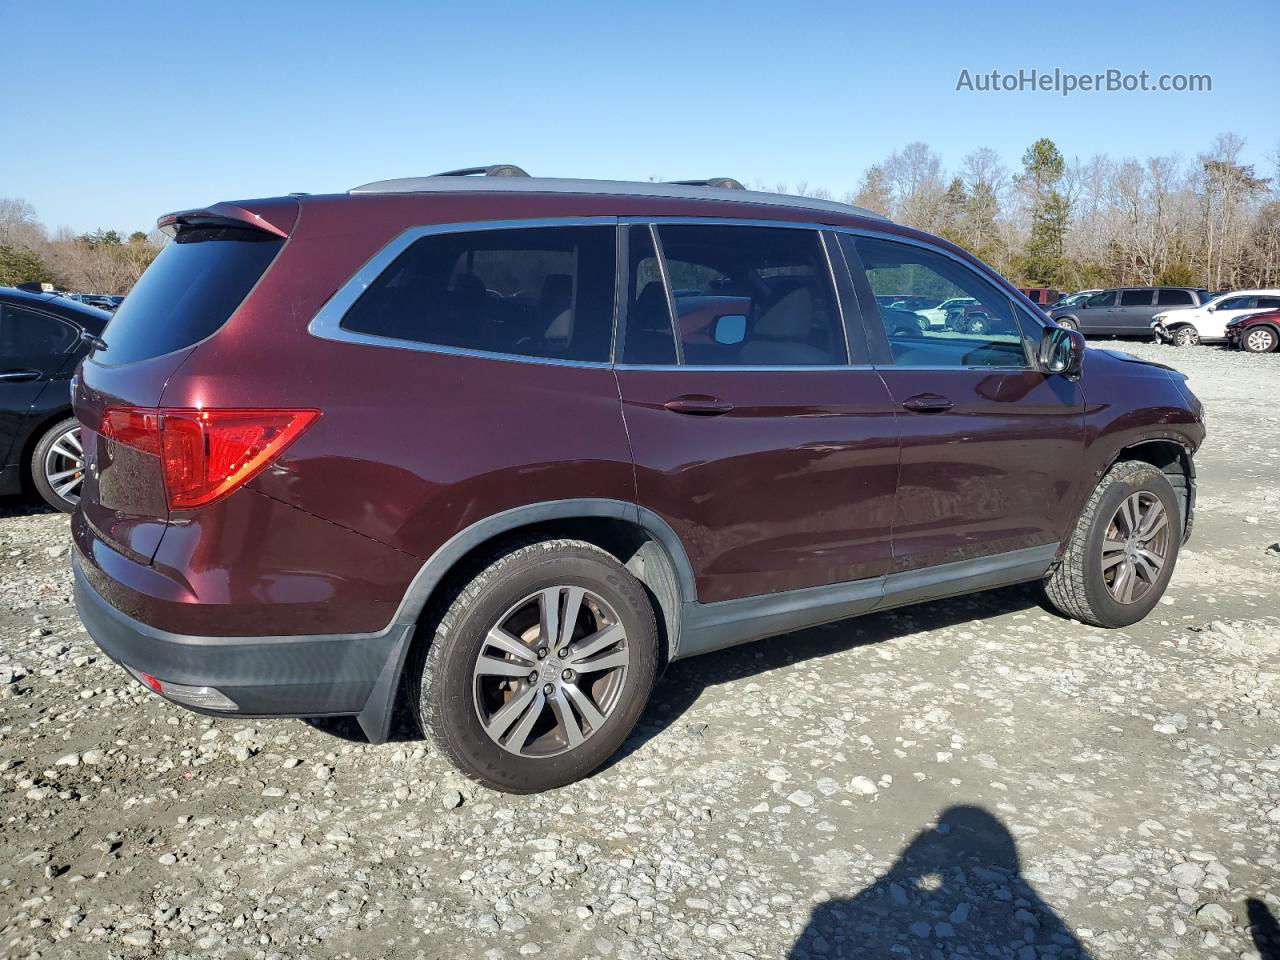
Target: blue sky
(115, 113)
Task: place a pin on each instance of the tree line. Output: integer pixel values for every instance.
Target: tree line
(99, 262)
(1208, 221)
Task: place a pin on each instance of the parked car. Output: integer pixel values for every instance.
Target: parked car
(457, 431)
(1186, 328)
(1255, 332)
(1125, 311)
(41, 341)
(1071, 299)
(1040, 296)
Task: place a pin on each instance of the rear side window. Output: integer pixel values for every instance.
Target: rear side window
(538, 292)
(29, 333)
(200, 278)
(1269, 302)
(753, 296)
(1175, 298)
(1135, 298)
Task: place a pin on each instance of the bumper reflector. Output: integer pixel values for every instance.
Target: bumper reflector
(206, 698)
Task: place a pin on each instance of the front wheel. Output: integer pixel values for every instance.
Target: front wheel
(1186, 337)
(1066, 324)
(539, 668)
(57, 465)
(1122, 553)
(1260, 340)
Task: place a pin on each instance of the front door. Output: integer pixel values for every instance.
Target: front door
(991, 448)
(773, 459)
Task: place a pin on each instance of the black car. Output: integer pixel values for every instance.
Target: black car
(40, 345)
(1126, 311)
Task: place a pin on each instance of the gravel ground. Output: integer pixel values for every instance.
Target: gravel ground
(974, 777)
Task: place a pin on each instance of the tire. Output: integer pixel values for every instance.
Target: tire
(923, 323)
(1080, 588)
(1259, 340)
(57, 465)
(1066, 323)
(1186, 336)
(463, 682)
(977, 326)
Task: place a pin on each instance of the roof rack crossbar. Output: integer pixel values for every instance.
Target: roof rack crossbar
(493, 170)
(724, 183)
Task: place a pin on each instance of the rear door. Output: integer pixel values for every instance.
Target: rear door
(772, 457)
(990, 447)
(1133, 313)
(194, 286)
(35, 348)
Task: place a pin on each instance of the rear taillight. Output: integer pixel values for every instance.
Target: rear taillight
(205, 454)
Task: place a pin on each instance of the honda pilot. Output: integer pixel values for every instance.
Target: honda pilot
(498, 449)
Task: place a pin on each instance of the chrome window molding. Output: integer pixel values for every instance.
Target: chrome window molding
(327, 323)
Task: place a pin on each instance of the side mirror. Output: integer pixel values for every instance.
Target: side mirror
(731, 329)
(1211, 308)
(1061, 352)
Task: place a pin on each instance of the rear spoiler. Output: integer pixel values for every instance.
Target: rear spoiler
(275, 217)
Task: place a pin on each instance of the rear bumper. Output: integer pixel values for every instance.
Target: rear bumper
(291, 676)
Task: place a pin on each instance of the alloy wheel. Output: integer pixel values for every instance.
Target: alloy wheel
(1260, 340)
(1186, 337)
(64, 465)
(550, 672)
(1135, 547)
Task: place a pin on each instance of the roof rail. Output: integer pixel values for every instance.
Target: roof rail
(724, 183)
(493, 170)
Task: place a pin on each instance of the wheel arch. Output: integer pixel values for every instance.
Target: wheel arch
(1174, 460)
(640, 540)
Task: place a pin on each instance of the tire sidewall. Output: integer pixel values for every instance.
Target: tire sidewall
(1271, 343)
(1111, 611)
(454, 715)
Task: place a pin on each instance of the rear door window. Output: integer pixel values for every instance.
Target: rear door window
(542, 292)
(751, 296)
(195, 284)
(1135, 298)
(1175, 298)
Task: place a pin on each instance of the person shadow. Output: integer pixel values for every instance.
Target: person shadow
(955, 891)
(1264, 929)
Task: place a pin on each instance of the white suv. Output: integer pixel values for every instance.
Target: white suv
(1188, 327)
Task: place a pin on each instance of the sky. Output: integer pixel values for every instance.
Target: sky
(113, 114)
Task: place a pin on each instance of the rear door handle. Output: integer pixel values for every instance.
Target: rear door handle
(927, 403)
(20, 376)
(697, 405)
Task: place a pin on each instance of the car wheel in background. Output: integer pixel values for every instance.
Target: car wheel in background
(924, 324)
(1186, 337)
(1260, 340)
(1122, 553)
(539, 667)
(977, 325)
(1066, 323)
(57, 465)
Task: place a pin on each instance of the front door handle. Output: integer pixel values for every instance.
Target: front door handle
(927, 403)
(19, 376)
(698, 405)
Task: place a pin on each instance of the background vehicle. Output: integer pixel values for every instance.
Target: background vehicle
(40, 345)
(1072, 299)
(1255, 332)
(1040, 296)
(519, 442)
(1125, 311)
(1208, 323)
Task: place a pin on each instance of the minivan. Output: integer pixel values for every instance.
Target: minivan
(499, 448)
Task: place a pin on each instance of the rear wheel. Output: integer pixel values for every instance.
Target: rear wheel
(1260, 340)
(57, 465)
(1186, 337)
(1123, 550)
(1066, 323)
(539, 668)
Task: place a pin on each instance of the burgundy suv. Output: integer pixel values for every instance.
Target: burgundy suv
(503, 447)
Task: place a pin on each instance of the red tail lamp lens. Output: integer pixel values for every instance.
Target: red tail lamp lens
(206, 454)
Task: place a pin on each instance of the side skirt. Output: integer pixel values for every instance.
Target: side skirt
(708, 627)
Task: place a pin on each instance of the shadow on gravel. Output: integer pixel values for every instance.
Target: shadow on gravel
(22, 505)
(1264, 929)
(956, 890)
(684, 681)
